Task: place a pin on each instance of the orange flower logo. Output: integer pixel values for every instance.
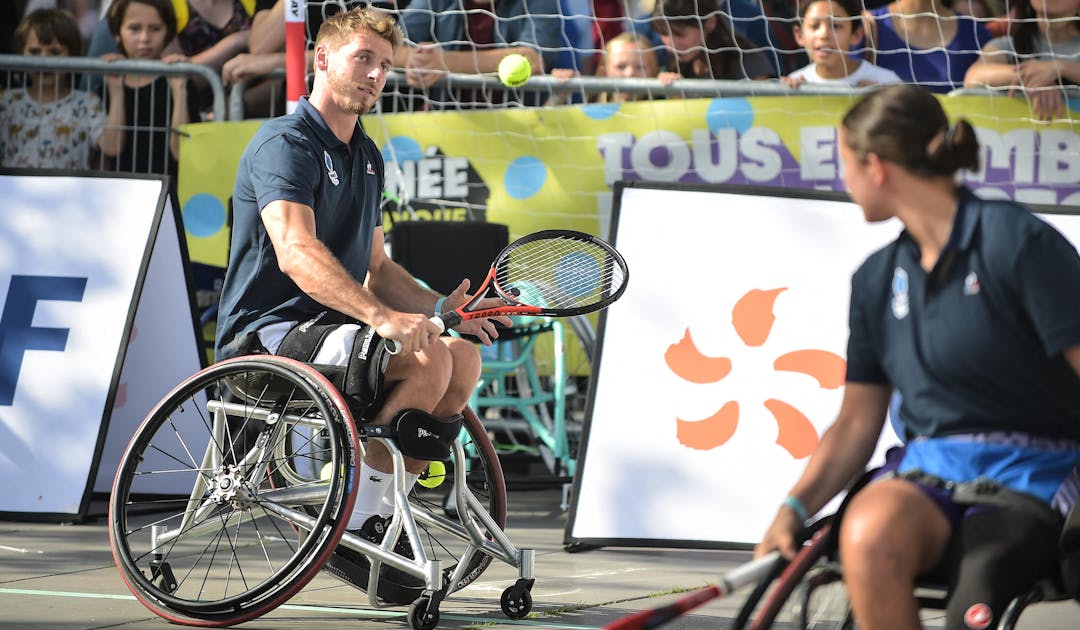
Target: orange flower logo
(753, 320)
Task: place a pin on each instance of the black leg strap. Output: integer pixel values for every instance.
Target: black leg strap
(419, 434)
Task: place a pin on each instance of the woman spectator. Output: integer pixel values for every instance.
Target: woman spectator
(472, 37)
(924, 42)
(210, 32)
(704, 45)
(1042, 54)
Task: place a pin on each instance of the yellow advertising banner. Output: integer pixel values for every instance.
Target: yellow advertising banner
(542, 168)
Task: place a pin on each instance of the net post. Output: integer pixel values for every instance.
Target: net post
(295, 53)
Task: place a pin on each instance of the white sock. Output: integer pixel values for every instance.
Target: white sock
(373, 486)
(386, 508)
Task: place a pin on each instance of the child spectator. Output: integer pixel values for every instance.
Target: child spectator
(145, 111)
(748, 18)
(628, 55)
(48, 124)
(1042, 54)
(827, 29)
(924, 42)
(704, 45)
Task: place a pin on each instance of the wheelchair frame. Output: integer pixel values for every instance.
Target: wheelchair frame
(816, 567)
(269, 472)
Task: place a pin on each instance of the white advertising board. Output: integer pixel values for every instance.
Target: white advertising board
(79, 257)
(723, 362)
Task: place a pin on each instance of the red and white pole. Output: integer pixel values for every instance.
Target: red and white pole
(295, 53)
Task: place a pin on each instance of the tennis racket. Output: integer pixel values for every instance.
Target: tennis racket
(554, 273)
(753, 571)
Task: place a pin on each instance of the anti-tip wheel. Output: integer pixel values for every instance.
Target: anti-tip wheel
(516, 602)
(422, 616)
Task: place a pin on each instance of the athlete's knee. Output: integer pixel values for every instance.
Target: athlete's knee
(436, 360)
(466, 362)
(892, 528)
(867, 549)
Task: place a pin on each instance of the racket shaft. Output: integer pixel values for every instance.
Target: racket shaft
(656, 617)
(733, 580)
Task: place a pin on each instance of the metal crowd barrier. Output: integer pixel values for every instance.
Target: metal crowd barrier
(581, 89)
(93, 65)
(148, 149)
(237, 91)
(542, 87)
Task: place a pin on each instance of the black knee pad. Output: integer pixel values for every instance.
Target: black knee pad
(1002, 553)
(423, 436)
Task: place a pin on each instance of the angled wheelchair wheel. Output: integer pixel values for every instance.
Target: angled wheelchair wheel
(215, 517)
(821, 602)
(807, 593)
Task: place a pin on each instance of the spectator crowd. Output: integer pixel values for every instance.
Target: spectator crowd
(129, 121)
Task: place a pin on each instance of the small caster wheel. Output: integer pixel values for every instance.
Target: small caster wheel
(161, 576)
(421, 617)
(516, 602)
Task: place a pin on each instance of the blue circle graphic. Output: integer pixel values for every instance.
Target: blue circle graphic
(1074, 104)
(525, 177)
(600, 111)
(204, 215)
(577, 274)
(402, 149)
(730, 112)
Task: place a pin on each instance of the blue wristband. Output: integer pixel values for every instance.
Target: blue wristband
(796, 506)
(439, 304)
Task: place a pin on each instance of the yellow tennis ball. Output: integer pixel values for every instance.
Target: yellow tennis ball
(514, 70)
(434, 475)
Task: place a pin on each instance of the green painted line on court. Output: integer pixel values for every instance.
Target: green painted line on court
(354, 611)
(336, 609)
(541, 623)
(25, 591)
(545, 623)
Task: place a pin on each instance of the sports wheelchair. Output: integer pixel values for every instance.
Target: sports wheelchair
(238, 486)
(809, 593)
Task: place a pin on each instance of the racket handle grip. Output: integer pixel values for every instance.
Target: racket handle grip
(448, 319)
(393, 346)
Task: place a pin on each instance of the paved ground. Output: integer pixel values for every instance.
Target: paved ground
(63, 577)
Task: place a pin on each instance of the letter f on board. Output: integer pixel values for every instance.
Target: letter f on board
(17, 335)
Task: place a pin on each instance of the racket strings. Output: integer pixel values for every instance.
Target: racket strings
(560, 273)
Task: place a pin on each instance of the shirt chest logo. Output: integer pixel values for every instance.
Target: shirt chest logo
(370, 169)
(330, 172)
(971, 284)
(901, 305)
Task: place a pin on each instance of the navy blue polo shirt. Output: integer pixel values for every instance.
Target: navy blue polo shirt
(296, 158)
(976, 344)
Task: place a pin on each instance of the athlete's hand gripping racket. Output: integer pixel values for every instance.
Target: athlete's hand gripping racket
(555, 273)
(753, 571)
